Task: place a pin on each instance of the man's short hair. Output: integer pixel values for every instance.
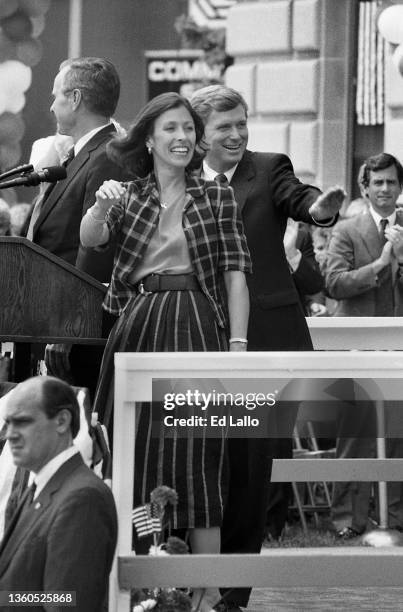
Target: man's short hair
(217, 98)
(98, 81)
(376, 163)
(58, 395)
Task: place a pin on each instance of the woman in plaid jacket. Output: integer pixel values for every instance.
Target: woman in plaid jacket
(178, 237)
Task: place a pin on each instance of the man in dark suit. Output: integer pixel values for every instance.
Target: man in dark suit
(86, 93)
(267, 192)
(62, 536)
(308, 280)
(365, 275)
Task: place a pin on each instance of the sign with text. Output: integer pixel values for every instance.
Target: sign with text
(182, 71)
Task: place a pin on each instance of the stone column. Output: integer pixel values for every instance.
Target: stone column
(393, 107)
(293, 63)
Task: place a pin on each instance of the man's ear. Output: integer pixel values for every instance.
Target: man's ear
(77, 97)
(63, 420)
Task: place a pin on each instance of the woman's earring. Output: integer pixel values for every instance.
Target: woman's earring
(149, 149)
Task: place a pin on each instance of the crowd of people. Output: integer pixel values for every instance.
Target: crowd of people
(205, 246)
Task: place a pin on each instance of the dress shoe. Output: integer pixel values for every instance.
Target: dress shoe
(227, 606)
(348, 533)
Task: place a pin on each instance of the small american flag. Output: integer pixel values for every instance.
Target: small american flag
(146, 520)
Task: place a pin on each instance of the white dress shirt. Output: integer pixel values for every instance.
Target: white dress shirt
(81, 142)
(42, 478)
(209, 174)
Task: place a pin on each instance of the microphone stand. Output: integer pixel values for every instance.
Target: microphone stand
(24, 169)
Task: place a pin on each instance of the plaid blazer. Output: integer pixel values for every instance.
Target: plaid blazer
(212, 226)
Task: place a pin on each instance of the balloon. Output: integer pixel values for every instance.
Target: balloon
(17, 26)
(8, 7)
(10, 155)
(397, 58)
(390, 24)
(12, 128)
(29, 51)
(38, 25)
(15, 78)
(7, 48)
(34, 8)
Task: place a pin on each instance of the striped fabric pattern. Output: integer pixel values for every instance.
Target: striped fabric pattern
(196, 467)
(370, 96)
(145, 521)
(212, 226)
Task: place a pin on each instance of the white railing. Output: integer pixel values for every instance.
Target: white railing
(134, 374)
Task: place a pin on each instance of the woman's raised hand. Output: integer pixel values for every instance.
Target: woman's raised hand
(109, 193)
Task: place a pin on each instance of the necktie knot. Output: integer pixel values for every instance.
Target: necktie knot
(31, 493)
(221, 179)
(69, 157)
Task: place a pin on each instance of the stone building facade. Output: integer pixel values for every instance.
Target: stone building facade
(295, 64)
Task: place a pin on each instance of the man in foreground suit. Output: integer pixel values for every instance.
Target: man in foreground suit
(63, 534)
(86, 92)
(365, 275)
(267, 192)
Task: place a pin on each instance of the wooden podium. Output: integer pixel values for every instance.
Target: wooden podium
(44, 299)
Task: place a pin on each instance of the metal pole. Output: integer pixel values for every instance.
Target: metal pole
(381, 454)
(382, 536)
(75, 27)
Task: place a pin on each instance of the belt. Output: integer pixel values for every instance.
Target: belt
(168, 282)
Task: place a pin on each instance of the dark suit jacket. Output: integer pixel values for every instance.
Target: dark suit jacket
(57, 228)
(355, 243)
(268, 192)
(65, 542)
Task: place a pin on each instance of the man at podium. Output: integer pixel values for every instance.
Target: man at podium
(85, 95)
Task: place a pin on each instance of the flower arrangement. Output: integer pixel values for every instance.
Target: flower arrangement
(153, 519)
(210, 40)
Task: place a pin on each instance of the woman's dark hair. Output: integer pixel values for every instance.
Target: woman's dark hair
(130, 151)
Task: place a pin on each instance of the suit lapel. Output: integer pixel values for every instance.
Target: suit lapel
(369, 234)
(75, 165)
(23, 521)
(242, 180)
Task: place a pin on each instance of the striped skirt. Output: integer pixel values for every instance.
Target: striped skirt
(196, 467)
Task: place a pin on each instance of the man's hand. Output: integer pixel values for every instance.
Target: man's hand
(317, 310)
(394, 235)
(328, 204)
(57, 361)
(384, 259)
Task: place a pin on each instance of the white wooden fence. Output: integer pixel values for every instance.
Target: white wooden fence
(134, 374)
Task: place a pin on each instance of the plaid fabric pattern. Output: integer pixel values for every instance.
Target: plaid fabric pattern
(212, 226)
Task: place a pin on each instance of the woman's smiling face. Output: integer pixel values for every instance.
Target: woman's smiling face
(173, 138)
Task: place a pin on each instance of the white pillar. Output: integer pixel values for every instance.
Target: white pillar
(75, 23)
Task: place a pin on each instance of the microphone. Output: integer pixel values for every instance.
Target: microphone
(18, 170)
(46, 175)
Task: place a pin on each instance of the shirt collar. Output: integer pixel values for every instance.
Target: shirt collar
(209, 174)
(81, 142)
(377, 217)
(42, 478)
